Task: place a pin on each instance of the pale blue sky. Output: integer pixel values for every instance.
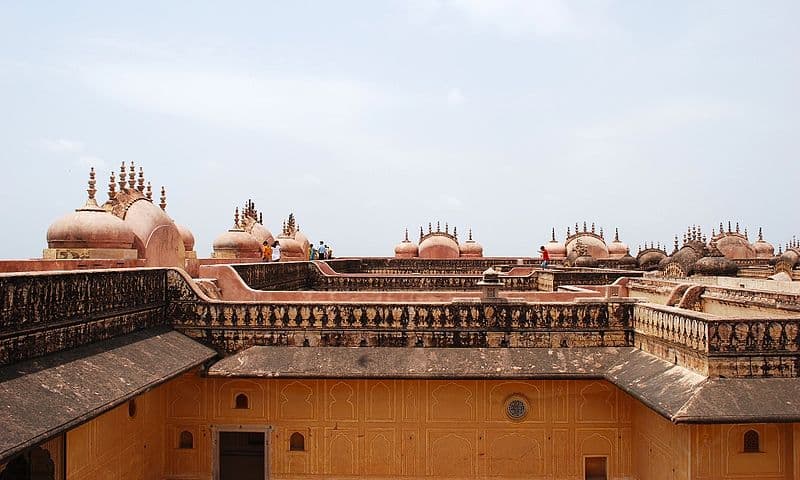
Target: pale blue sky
(364, 118)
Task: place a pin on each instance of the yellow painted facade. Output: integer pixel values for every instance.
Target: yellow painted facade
(420, 428)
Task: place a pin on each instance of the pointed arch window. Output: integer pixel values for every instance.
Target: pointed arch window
(751, 442)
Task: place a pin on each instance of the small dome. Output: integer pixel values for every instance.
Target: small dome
(649, 259)
(471, 248)
(594, 244)
(187, 237)
(555, 248)
(734, 245)
(438, 245)
(291, 249)
(762, 248)
(585, 261)
(90, 228)
(302, 240)
(715, 266)
(261, 234)
(617, 249)
(627, 261)
(236, 244)
(406, 249)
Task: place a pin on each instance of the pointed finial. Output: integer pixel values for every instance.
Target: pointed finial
(438, 228)
(122, 177)
(406, 239)
(470, 234)
(584, 226)
(729, 226)
(236, 219)
(163, 203)
(553, 235)
(568, 233)
(112, 187)
(576, 228)
(92, 182)
(261, 218)
(713, 233)
(455, 232)
(141, 180)
(446, 227)
(676, 242)
(149, 194)
(737, 227)
(746, 235)
(592, 227)
(616, 234)
(760, 236)
(131, 176)
(430, 230)
(601, 233)
(780, 249)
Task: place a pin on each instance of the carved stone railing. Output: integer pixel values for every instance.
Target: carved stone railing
(555, 278)
(414, 282)
(49, 312)
(276, 276)
(426, 266)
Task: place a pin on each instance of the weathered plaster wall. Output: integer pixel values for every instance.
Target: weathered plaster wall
(408, 428)
(115, 445)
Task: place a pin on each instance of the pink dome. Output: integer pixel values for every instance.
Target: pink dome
(303, 241)
(90, 227)
(261, 234)
(734, 245)
(438, 245)
(471, 248)
(291, 249)
(595, 246)
(236, 243)
(406, 249)
(763, 248)
(187, 237)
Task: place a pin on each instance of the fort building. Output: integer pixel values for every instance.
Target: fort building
(124, 354)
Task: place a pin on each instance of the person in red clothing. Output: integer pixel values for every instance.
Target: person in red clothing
(545, 256)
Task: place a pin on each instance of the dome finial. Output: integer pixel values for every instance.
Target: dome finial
(568, 233)
(713, 233)
(592, 227)
(421, 233)
(141, 180)
(729, 226)
(601, 233)
(746, 236)
(112, 186)
(131, 176)
(446, 227)
(236, 219)
(737, 227)
(122, 177)
(406, 239)
(760, 236)
(576, 228)
(163, 203)
(470, 234)
(149, 193)
(92, 182)
(430, 230)
(552, 237)
(455, 232)
(616, 234)
(438, 227)
(261, 218)
(584, 226)
(676, 243)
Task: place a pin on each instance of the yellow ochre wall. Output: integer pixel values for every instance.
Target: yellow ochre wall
(422, 428)
(116, 446)
(408, 428)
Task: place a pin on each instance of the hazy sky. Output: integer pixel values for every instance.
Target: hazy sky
(364, 118)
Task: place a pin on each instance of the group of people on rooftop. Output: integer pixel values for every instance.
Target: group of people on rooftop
(272, 253)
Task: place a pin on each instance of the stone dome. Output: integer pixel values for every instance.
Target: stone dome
(763, 249)
(735, 245)
(261, 234)
(186, 236)
(90, 227)
(595, 245)
(236, 243)
(302, 240)
(471, 248)
(438, 245)
(627, 261)
(650, 258)
(406, 248)
(555, 248)
(715, 266)
(585, 261)
(291, 249)
(617, 249)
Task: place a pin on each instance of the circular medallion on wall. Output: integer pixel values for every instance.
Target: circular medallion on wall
(517, 407)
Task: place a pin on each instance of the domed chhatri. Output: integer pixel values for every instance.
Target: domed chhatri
(406, 248)
(291, 249)
(556, 250)
(438, 244)
(471, 248)
(90, 232)
(236, 243)
(762, 248)
(733, 244)
(617, 249)
(595, 244)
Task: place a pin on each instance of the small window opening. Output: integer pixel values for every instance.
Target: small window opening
(595, 468)
(297, 442)
(186, 440)
(131, 408)
(751, 443)
(242, 402)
